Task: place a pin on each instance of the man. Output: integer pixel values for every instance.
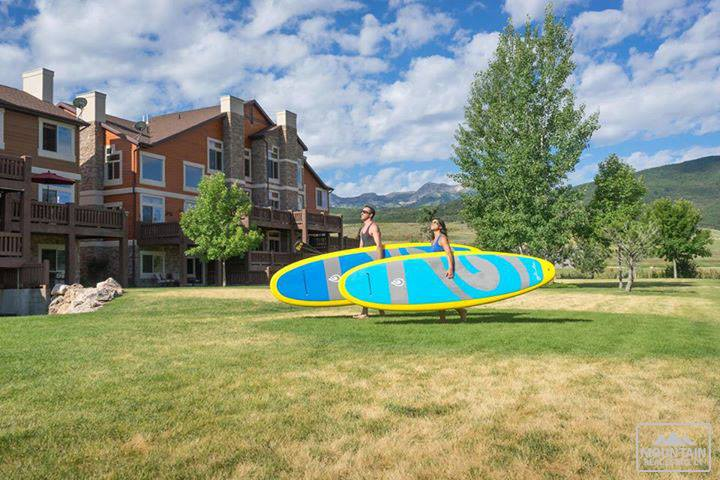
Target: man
(370, 236)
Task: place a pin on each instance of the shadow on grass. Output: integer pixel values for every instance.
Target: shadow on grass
(428, 318)
(614, 284)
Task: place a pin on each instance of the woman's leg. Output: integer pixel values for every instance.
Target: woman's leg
(463, 314)
(362, 314)
(442, 316)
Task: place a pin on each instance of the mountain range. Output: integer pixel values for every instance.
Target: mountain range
(695, 180)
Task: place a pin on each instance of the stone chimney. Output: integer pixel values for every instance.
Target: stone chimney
(233, 136)
(291, 150)
(94, 111)
(92, 149)
(39, 83)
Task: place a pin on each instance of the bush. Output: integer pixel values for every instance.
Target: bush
(686, 268)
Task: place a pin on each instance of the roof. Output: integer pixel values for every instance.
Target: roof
(317, 177)
(18, 100)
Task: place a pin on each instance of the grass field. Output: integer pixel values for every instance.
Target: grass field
(227, 383)
(461, 233)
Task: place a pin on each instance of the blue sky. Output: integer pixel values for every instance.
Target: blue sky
(379, 87)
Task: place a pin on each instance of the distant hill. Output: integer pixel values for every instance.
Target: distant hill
(695, 180)
(428, 194)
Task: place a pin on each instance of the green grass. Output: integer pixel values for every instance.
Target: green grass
(219, 383)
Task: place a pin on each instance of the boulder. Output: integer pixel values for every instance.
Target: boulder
(77, 299)
(58, 289)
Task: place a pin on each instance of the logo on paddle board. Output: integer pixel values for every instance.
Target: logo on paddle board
(398, 282)
(334, 278)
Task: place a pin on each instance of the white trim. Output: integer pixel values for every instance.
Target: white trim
(116, 181)
(2, 129)
(326, 198)
(114, 204)
(289, 160)
(207, 154)
(146, 181)
(142, 196)
(270, 197)
(70, 175)
(142, 190)
(154, 253)
(194, 165)
(57, 155)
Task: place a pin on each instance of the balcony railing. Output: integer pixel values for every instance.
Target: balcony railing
(59, 214)
(271, 215)
(12, 168)
(258, 260)
(319, 221)
(10, 244)
(158, 232)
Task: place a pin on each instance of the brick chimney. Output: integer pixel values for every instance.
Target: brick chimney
(233, 135)
(39, 83)
(92, 149)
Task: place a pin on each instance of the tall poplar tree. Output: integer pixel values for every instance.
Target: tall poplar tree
(523, 133)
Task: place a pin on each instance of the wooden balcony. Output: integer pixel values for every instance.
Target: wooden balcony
(166, 233)
(318, 222)
(271, 218)
(87, 221)
(15, 172)
(11, 250)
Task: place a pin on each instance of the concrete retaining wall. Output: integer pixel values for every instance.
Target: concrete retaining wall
(25, 301)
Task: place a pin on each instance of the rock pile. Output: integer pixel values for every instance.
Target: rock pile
(77, 299)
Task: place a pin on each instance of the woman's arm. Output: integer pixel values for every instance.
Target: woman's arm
(451, 258)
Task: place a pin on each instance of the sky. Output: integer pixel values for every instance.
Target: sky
(379, 86)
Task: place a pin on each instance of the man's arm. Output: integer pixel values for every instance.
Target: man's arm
(375, 232)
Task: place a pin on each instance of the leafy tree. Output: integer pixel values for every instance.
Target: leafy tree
(633, 238)
(425, 216)
(617, 200)
(215, 223)
(588, 255)
(522, 135)
(680, 238)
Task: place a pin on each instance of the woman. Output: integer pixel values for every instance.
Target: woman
(442, 244)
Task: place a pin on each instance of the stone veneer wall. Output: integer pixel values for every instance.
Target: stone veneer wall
(92, 160)
(233, 145)
(99, 262)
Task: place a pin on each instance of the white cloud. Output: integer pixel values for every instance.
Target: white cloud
(520, 10)
(389, 179)
(268, 15)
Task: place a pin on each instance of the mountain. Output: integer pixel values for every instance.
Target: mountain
(695, 180)
(428, 194)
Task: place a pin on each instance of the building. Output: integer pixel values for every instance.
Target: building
(152, 170)
(42, 223)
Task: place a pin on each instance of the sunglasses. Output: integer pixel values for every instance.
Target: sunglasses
(365, 212)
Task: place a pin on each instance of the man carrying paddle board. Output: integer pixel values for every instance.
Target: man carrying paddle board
(370, 236)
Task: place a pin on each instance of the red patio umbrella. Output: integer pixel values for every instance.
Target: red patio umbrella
(49, 178)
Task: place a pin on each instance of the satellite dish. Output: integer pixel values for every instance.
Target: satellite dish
(141, 126)
(80, 103)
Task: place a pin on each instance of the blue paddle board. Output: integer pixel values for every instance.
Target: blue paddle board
(418, 282)
(313, 282)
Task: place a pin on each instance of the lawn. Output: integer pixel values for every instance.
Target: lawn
(227, 383)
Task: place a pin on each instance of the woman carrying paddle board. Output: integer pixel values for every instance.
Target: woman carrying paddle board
(442, 244)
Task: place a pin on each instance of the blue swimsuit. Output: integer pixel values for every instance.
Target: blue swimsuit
(436, 247)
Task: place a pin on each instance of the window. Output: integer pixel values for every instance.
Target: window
(2, 129)
(321, 199)
(274, 199)
(188, 205)
(152, 169)
(153, 209)
(299, 173)
(248, 163)
(113, 163)
(273, 164)
(55, 255)
(191, 270)
(57, 140)
(56, 193)
(273, 241)
(151, 263)
(193, 173)
(215, 155)
(301, 202)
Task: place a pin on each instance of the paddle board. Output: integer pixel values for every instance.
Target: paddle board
(313, 282)
(418, 282)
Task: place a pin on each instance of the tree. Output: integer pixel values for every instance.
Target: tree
(680, 239)
(521, 137)
(426, 214)
(215, 223)
(588, 255)
(634, 238)
(617, 200)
